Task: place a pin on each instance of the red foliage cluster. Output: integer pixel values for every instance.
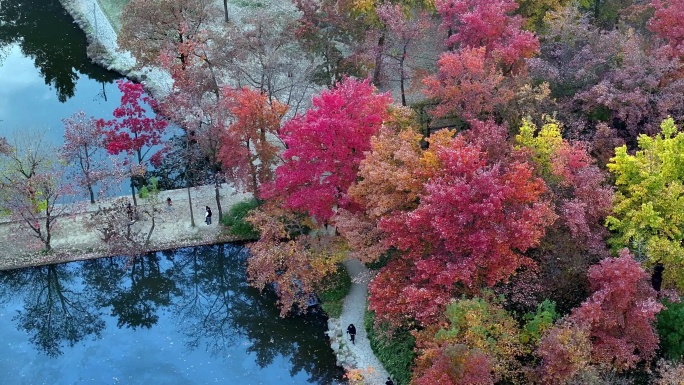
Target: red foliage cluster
(325, 147)
(488, 24)
(620, 313)
(473, 224)
(133, 129)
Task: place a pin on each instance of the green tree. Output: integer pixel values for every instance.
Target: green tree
(647, 214)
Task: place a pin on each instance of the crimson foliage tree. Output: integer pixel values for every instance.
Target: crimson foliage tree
(325, 147)
(490, 24)
(133, 131)
(621, 313)
(475, 220)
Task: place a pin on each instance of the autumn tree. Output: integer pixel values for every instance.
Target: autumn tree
(666, 23)
(328, 31)
(620, 314)
(565, 352)
(133, 131)
(325, 147)
(83, 147)
(491, 25)
(649, 185)
(263, 52)
(581, 199)
(484, 332)
(248, 150)
(290, 257)
(467, 85)
(405, 31)
(32, 186)
(152, 27)
(390, 179)
(37, 203)
(474, 220)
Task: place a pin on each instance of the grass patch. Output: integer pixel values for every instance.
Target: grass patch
(332, 296)
(112, 9)
(393, 349)
(235, 220)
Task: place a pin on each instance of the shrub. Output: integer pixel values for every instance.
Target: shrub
(394, 349)
(670, 326)
(235, 220)
(332, 296)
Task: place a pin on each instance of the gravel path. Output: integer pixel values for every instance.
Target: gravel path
(358, 355)
(72, 241)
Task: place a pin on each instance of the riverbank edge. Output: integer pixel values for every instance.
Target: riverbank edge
(103, 48)
(346, 357)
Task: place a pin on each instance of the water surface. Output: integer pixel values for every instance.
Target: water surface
(179, 317)
(44, 72)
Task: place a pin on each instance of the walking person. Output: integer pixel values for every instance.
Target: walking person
(207, 216)
(389, 381)
(351, 330)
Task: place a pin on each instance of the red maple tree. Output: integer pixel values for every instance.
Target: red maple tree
(134, 131)
(325, 147)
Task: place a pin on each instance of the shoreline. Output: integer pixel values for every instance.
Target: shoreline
(103, 48)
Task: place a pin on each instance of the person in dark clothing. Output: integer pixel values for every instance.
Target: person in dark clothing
(657, 276)
(389, 381)
(351, 330)
(207, 216)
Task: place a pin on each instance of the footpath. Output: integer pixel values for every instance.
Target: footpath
(358, 356)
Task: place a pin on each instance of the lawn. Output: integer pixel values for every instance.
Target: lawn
(113, 8)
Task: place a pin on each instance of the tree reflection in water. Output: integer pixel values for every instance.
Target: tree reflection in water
(54, 313)
(200, 292)
(218, 308)
(45, 33)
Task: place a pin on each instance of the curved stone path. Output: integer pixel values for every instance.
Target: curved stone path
(359, 355)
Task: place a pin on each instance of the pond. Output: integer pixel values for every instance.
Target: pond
(44, 72)
(177, 317)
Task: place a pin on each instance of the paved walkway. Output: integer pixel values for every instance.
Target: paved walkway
(358, 355)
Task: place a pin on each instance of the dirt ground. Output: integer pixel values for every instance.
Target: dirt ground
(71, 241)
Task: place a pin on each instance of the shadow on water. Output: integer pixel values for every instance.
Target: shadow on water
(45, 32)
(197, 296)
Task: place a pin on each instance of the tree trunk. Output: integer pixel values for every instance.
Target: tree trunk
(192, 217)
(48, 235)
(225, 9)
(402, 77)
(217, 186)
(149, 234)
(135, 201)
(92, 194)
(378, 59)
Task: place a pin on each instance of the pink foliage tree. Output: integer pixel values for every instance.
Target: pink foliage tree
(667, 24)
(489, 24)
(83, 145)
(468, 85)
(620, 313)
(325, 147)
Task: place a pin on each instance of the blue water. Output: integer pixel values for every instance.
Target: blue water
(179, 317)
(44, 72)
